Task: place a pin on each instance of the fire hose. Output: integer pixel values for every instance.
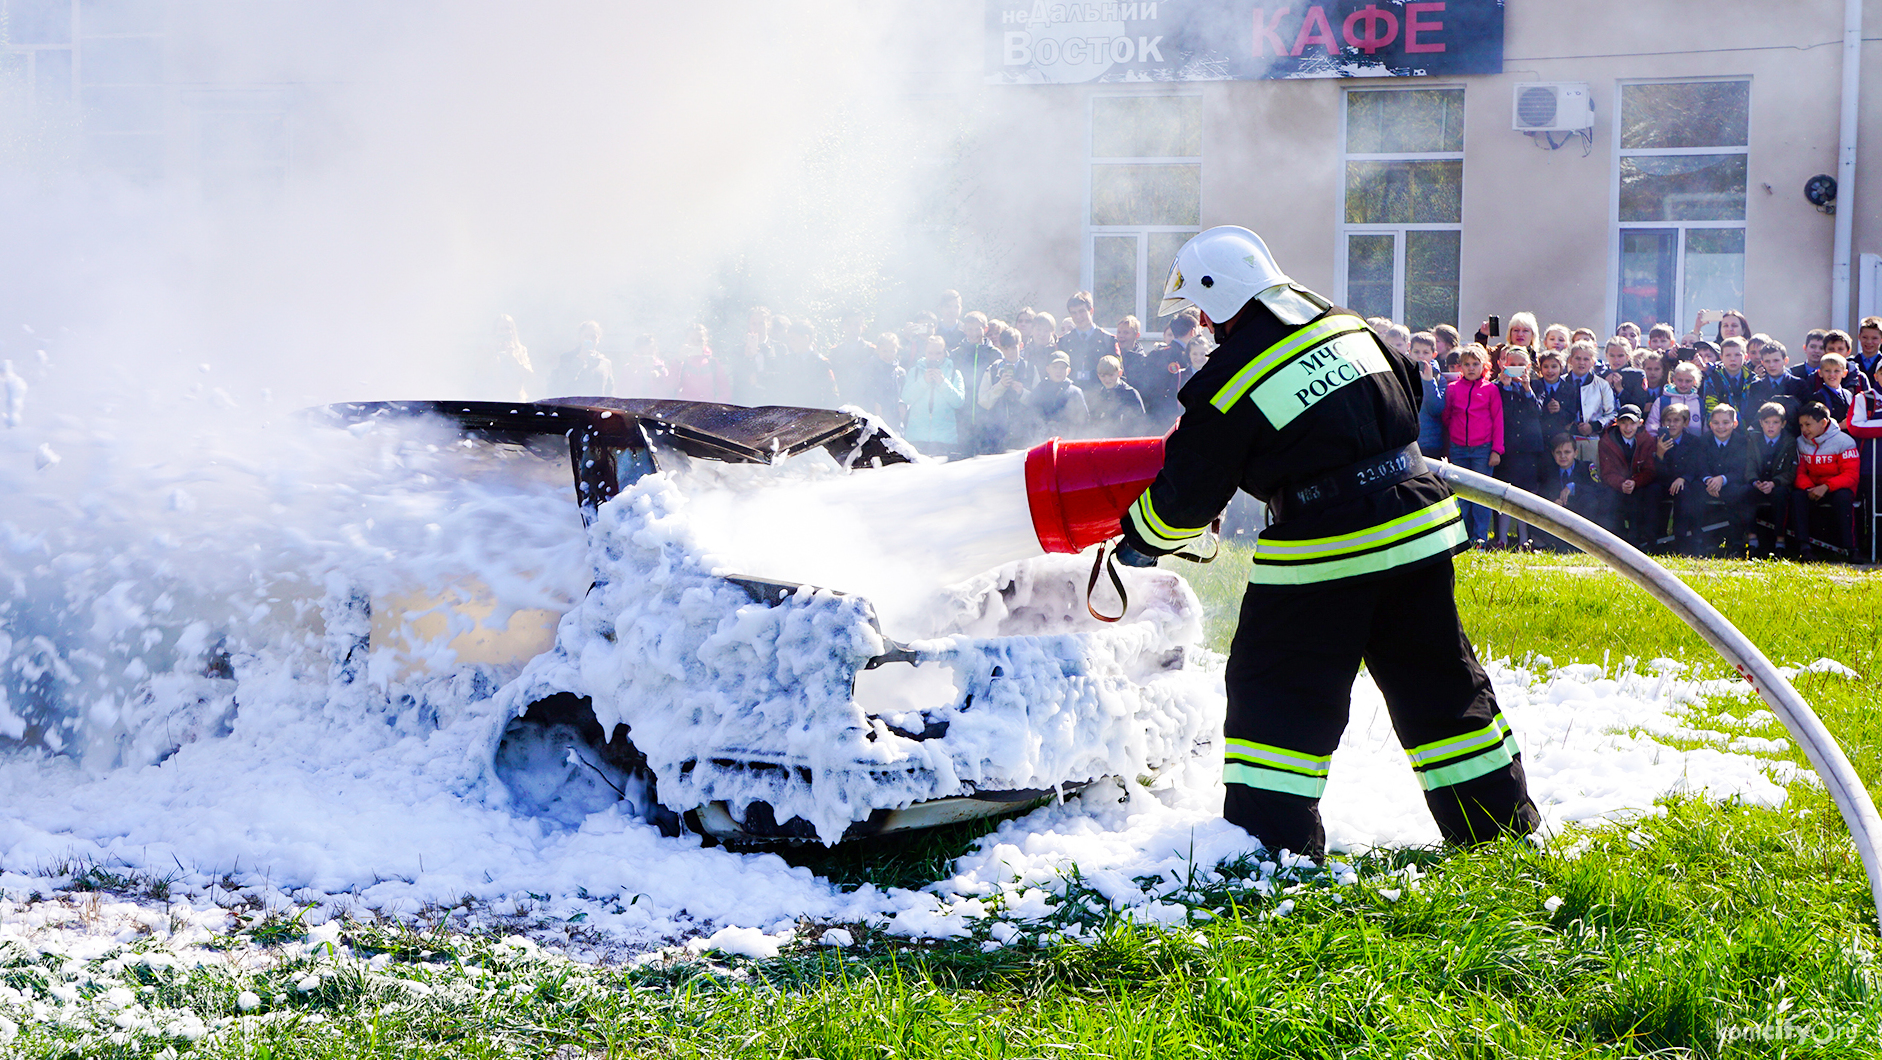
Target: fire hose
(1825, 754)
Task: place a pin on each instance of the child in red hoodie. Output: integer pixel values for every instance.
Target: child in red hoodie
(1865, 423)
(1828, 468)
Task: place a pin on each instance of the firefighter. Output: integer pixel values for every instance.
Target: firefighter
(1302, 406)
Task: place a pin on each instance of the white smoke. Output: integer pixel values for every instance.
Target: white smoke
(645, 165)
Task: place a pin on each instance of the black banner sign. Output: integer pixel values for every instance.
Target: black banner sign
(1040, 42)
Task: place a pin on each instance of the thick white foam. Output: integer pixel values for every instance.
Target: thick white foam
(124, 564)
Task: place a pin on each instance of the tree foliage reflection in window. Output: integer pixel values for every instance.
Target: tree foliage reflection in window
(1423, 192)
(1146, 195)
(1692, 114)
(1405, 122)
(1146, 127)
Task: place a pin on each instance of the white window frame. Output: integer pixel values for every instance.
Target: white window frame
(1616, 226)
(1343, 231)
(1149, 273)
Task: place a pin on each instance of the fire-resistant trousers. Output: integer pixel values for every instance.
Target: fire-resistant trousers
(1290, 679)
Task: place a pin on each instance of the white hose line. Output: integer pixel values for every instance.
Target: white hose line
(1825, 754)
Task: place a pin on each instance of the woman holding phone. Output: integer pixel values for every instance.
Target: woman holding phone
(1522, 332)
(1732, 324)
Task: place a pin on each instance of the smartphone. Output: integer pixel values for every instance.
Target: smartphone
(1710, 316)
(1496, 325)
(1688, 353)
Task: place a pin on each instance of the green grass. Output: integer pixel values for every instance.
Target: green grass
(1646, 937)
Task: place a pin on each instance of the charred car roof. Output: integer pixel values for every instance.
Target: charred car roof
(732, 433)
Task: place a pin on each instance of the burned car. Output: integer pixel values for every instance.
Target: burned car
(751, 708)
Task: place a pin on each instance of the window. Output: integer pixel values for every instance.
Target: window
(36, 51)
(1401, 223)
(1681, 170)
(120, 77)
(1145, 200)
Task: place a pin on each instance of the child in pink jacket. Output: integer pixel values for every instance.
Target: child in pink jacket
(1473, 417)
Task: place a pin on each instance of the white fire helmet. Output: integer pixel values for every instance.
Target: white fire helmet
(1218, 271)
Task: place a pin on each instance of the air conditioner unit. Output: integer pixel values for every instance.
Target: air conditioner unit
(1553, 106)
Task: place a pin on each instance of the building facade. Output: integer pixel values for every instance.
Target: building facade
(191, 94)
(1097, 152)
(1420, 198)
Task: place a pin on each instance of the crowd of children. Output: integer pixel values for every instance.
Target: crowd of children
(954, 383)
(1710, 443)
(1711, 446)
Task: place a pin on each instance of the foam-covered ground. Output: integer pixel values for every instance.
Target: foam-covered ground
(171, 713)
(377, 828)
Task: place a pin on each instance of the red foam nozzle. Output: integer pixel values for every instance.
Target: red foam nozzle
(1079, 490)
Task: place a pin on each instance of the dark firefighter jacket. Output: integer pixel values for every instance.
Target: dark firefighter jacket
(1278, 407)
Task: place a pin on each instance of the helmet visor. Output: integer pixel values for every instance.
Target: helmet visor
(1169, 307)
(1173, 300)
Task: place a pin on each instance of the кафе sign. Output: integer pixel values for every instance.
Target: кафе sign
(1041, 42)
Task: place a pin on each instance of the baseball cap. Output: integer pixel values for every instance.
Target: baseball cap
(1629, 412)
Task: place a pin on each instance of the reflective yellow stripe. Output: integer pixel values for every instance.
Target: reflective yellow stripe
(1463, 743)
(1274, 356)
(1309, 549)
(1273, 780)
(1470, 768)
(1278, 757)
(1443, 539)
(1154, 530)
